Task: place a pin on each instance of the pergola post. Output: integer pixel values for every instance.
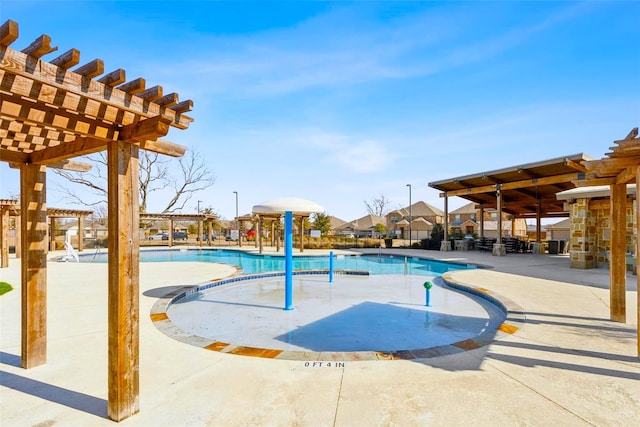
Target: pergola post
(170, 232)
(18, 236)
(445, 245)
(617, 261)
(33, 209)
(4, 239)
(52, 233)
(124, 310)
(259, 236)
(200, 237)
(499, 247)
(302, 234)
(638, 253)
(288, 260)
(482, 220)
(538, 221)
(80, 233)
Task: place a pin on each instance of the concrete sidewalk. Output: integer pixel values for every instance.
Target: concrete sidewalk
(568, 365)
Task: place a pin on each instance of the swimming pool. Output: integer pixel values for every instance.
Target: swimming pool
(256, 263)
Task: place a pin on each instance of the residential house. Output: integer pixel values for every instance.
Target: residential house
(466, 220)
(361, 227)
(560, 230)
(422, 216)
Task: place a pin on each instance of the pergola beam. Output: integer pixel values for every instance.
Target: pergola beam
(515, 185)
(8, 33)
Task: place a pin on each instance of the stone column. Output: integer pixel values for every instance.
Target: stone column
(582, 245)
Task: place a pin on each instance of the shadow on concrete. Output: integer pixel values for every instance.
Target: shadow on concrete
(573, 352)
(227, 303)
(10, 359)
(387, 328)
(72, 399)
(530, 362)
(165, 290)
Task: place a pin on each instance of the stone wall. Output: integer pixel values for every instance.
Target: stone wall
(590, 232)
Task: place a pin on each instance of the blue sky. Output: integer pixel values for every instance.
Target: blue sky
(340, 102)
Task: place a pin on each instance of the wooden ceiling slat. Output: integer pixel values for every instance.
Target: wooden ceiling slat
(50, 113)
(11, 156)
(67, 60)
(612, 163)
(114, 78)
(151, 94)
(8, 33)
(40, 47)
(71, 165)
(575, 165)
(515, 184)
(134, 86)
(39, 114)
(91, 69)
(19, 64)
(164, 147)
(79, 147)
(167, 100)
(149, 129)
(594, 182)
(182, 107)
(626, 175)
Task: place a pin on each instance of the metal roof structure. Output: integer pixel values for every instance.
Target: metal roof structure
(523, 187)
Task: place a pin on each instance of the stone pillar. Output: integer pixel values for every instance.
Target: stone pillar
(582, 245)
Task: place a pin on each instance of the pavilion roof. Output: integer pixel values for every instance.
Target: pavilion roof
(522, 186)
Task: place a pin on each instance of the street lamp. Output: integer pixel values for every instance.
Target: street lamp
(410, 216)
(237, 222)
(199, 201)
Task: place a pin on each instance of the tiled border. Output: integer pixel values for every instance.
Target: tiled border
(513, 322)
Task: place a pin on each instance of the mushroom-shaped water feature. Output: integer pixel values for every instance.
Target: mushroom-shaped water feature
(288, 206)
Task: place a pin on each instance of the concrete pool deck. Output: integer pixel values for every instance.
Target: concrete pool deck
(568, 364)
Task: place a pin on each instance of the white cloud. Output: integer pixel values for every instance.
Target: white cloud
(364, 156)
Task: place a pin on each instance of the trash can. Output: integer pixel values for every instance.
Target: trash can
(563, 246)
(554, 246)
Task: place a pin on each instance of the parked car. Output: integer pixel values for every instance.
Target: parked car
(159, 236)
(180, 235)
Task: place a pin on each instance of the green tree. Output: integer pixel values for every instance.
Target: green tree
(437, 233)
(297, 222)
(380, 228)
(322, 222)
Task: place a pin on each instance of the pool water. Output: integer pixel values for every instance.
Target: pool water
(254, 263)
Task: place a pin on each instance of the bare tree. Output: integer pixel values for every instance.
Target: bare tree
(155, 175)
(379, 206)
(195, 176)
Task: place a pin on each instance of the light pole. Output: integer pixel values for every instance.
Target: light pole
(410, 216)
(237, 222)
(199, 201)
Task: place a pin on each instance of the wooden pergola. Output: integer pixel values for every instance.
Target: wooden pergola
(200, 218)
(528, 191)
(11, 208)
(8, 207)
(50, 114)
(619, 168)
(524, 191)
(79, 214)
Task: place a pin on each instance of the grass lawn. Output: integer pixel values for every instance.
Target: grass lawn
(5, 287)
